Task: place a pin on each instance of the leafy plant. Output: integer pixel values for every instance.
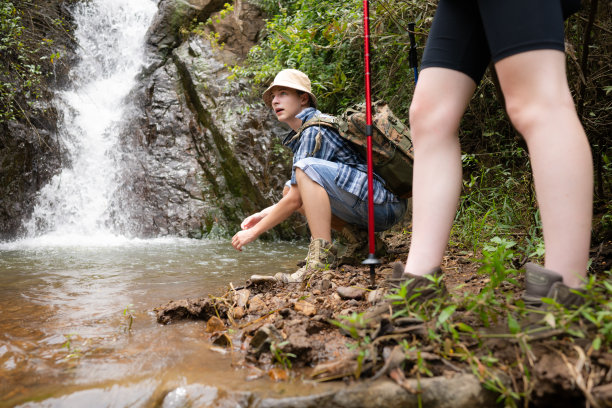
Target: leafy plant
(26, 56)
(282, 358)
(353, 324)
(73, 352)
(128, 315)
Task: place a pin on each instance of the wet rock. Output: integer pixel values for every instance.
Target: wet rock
(238, 312)
(201, 309)
(305, 308)
(241, 297)
(461, 391)
(336, 369)
(223, 340)
(350, 292)
(376, 296)
(254, 373)
(198, 154)
(31, 150)
(257, 304)
(189, 395)
(262, 339)
(199, 395)
(325, 285)
(214, 324)
(278, 374)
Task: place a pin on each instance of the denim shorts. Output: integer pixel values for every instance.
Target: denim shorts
(346, 206)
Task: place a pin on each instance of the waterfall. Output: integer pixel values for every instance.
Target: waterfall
(110, 36)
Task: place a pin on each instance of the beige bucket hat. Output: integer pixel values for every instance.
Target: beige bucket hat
(290, 78)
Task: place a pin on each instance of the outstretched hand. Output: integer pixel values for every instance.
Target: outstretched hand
(251, 220)
(242, 238)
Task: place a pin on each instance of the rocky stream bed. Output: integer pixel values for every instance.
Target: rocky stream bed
(287, 332)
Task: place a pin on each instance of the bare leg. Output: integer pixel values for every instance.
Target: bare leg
(439, 101)
(315, 203)
(541, 108)
(336, 223)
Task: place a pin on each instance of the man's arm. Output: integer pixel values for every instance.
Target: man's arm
(277, 214)
(252, 220)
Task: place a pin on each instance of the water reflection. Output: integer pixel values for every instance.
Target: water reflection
(63, 328)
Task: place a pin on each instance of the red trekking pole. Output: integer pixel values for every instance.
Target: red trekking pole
(371, 259)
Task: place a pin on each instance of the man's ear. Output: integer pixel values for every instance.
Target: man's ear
(305, 100)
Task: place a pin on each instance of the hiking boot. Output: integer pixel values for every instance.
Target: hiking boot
(356, 245)
(416, 284)
(380, 320)
(568, 297)
(538, 282)
(541, 282)
(321, 255)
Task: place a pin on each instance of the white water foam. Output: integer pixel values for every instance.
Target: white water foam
(72, 208)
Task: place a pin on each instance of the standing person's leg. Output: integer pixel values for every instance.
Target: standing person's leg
(527, 44)
(455, 58)
(541, 108)
(439, 101)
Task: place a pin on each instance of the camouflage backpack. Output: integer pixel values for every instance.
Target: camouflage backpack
(392, 150)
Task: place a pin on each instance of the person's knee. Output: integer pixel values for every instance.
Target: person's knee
(294, 198)
(528, 114)
(432, 121)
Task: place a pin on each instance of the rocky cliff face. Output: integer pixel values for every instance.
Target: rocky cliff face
(198, 154)
(30, 153)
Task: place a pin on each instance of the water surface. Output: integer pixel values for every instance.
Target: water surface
(64, 337)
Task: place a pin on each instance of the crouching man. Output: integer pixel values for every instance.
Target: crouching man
(328, 182)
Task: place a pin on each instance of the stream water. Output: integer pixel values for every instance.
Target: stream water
(64, 337)
(77, 326)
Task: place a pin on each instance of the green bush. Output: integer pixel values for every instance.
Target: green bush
(19, 75)
(28, 54)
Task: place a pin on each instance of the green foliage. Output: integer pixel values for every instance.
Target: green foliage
(128, 315)
(325, 40)
(445, 319)
(72, 351)
(282, 358)
(498, 201)
(354, 324)
(311, 36)
(25, 55)
(18, 73)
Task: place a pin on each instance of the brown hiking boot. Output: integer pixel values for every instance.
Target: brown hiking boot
(356, 245)
(568, 297)
(321, 256)
(541, 282)
(418, 287)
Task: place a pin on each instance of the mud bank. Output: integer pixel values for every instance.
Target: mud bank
(288, 332)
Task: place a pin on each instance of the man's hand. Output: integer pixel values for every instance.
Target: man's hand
(242, 238)
(252, 220)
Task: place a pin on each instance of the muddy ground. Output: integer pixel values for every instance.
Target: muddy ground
(296, 320)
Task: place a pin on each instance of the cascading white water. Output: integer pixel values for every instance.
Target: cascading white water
(110, 36)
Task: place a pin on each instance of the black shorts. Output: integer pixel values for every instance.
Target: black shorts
(466, 35)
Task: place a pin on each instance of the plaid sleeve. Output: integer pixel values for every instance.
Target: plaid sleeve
(314, 142)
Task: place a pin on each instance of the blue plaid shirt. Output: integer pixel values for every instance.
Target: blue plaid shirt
(352, 171)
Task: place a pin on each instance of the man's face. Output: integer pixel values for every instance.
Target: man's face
(287, 103)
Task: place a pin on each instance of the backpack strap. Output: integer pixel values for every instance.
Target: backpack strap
(327, 121)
